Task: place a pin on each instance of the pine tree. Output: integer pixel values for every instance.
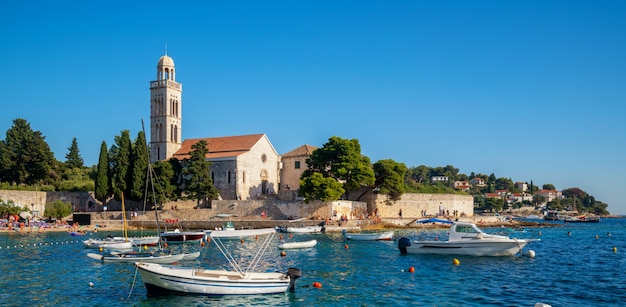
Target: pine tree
(120, 154)
(199, 185)
(139, 167)
(73, 158)
(102, 174)
(25, 156)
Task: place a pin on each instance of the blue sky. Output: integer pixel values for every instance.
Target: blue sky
(528, 90)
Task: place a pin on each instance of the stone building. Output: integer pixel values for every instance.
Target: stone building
(294, 164)
(242, 167)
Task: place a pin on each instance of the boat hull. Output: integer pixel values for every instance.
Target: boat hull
(209, 282)
(473, 248)
(385, 236)
(130, 258)
(180, 237)
(296, 245)
(310, 229)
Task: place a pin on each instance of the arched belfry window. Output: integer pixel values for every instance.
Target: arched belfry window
(229, 176)
(175, 133)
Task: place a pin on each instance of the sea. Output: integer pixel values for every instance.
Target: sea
(578, 264)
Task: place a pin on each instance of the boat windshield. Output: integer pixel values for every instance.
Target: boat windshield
(466, 229)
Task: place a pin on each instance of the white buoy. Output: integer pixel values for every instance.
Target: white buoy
(542, 305)
(90, 284)
(530, 253)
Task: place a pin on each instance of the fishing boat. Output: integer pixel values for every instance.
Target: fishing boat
(240, 280)
(297, 245)
(465, 239)
(372, 236)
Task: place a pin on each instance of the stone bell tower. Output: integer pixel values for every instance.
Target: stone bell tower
(165, 111)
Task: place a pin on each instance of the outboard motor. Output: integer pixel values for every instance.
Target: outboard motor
(293, 273)
(402, 244)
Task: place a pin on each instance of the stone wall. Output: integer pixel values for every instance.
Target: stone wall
(413, 204)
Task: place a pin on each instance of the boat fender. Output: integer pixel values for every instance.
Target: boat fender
(402, 244)
(293, 273)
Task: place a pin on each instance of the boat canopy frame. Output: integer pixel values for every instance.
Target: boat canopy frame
(269, 234)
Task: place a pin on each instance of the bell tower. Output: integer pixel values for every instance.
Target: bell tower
(165, 111)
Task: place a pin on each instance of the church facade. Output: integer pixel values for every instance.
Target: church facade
(242, 167)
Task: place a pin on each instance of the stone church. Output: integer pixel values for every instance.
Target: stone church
(243, 167)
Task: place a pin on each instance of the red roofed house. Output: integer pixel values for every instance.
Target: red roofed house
(243, 167)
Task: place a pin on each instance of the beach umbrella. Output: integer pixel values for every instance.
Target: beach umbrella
(26, 215)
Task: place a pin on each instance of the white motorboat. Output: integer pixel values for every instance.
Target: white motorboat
(137, 257)
(372, 236)
(465, 239)
(240, 280)
(296, 245)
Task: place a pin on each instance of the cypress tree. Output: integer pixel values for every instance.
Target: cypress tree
(139, 167)
(102, 174)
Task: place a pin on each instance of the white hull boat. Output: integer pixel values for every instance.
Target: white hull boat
(241, 280)
(306, 229)
(383, 236)
(465, 239)
(109, 244)
(136, 257)
(296, 245)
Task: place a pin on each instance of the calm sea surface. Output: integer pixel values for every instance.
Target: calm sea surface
(571, 268)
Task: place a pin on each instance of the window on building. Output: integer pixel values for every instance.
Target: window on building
(297, 166)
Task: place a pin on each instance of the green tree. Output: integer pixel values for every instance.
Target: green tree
(120, 155)
(198, 182)
(58, 209)
(25, 157)
(140, 162)
(548, 186)
(538, 200)
(102, 187)
(11, 208)
(390, 178)
(316, 186)
(73, 158)
(341, 160)
(163, 182)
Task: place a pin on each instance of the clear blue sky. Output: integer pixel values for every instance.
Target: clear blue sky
(527, 90)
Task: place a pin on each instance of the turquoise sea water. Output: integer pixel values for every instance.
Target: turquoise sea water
(571, 268)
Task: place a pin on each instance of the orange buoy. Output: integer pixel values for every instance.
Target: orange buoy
(317, 285)
(256, 237)
(281, 237)
(283, 254)
(411, 270)
(202, 243)
(165, 244)
(290, 236)
(241, 240)
(345, 246)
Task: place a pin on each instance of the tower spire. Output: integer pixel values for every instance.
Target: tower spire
(165, 48)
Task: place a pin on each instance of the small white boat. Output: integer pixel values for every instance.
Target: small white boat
(305, 229)
(137, 257)
(112, 243)
(373, 236)
(465, 239)
(295, 245)
(240, 280)
(143, 241)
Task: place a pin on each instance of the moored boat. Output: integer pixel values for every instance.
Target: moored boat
(178, 236)
(465, 239)
(240, 280)
(372, 236)
(296, 245)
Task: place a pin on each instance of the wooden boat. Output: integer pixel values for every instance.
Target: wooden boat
(296, 245)
(465, 239)
(240, 280)
(373, 236)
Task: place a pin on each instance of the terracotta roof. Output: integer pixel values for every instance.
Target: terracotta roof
(220, 147)
(304, 150)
